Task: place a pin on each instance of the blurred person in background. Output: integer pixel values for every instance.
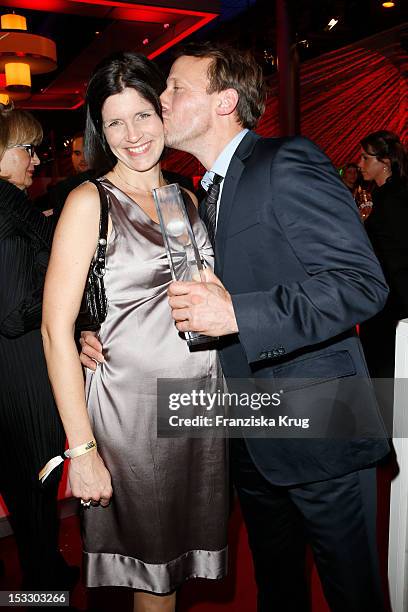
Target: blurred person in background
(350, 176)
(360, 189)
(30, 427)
(79, 162)
(81, 173)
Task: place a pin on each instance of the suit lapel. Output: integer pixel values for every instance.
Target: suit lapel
(231, 181)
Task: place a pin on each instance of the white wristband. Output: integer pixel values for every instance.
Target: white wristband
(70, 453)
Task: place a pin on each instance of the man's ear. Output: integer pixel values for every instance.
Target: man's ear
(227, 101)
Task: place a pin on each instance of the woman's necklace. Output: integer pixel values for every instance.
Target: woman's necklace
(133, 187)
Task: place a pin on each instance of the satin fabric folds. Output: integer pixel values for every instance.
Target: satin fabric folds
(168, 515)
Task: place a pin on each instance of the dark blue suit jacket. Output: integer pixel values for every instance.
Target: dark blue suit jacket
(292, 251)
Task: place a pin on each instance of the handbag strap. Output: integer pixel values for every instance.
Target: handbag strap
(99, 259)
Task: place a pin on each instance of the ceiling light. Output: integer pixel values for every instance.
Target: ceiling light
(22, 54)
(18, 77)
(388, 4)
(334, 21)
(13, 22)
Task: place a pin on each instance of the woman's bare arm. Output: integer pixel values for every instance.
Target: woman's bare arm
(74, 245)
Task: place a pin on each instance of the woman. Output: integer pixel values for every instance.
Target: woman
(166, 520)
(30, 427)
(384, 160)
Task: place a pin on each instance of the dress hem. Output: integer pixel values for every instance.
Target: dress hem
(112, 569)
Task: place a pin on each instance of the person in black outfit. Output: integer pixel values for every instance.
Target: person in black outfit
(30, 428)
(384, 160)
(81, 173)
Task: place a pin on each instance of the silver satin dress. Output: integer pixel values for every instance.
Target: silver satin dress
(167, 519)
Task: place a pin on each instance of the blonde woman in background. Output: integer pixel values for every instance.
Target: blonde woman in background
(30, 428)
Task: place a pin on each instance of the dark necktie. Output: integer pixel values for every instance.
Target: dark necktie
(208, 207)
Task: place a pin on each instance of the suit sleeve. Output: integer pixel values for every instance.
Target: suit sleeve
(22, 288)
(343, 285)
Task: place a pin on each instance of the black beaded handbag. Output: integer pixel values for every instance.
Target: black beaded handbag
(94, 305)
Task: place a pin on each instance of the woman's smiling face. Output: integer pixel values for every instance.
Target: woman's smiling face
(133, 130)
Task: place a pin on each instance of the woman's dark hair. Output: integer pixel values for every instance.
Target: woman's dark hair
(387, 145)
(110, 77)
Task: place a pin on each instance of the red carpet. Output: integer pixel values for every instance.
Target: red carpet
(234, 594)
(238, 592)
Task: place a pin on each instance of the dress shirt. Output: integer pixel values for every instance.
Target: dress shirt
(221, 164)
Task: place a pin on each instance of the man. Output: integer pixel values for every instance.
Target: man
(81, 173)
(51, 203)
(79, 162)
(295, 273)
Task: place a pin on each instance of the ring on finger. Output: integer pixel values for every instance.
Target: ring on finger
(85, 504)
